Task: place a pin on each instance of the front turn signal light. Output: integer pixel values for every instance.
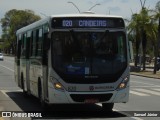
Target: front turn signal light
(58, 86)
(123, 84)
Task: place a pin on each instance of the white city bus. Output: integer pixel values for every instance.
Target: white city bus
(76, 58)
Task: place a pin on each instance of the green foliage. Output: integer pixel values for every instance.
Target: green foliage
(146, 22)
(14, 20)
(144, 27)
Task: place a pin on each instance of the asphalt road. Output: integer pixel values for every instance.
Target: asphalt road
(144, 96)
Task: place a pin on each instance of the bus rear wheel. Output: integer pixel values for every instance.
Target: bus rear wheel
(107, 106)
(44, 105)
(22, 86)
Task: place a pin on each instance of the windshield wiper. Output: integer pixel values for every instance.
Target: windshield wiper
(103, 36)
(75, 40)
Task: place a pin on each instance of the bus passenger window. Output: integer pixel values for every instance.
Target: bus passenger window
(39, 42)
(23, 46)
(33, 44)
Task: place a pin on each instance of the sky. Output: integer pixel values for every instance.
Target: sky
(123, 8)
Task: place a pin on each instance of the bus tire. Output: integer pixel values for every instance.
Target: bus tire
(107, 107)
(44, 105)
(22, 85)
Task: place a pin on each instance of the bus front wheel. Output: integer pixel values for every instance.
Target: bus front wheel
(107, 106)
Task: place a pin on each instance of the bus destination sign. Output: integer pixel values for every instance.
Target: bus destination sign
(87, 23)
(84, 23)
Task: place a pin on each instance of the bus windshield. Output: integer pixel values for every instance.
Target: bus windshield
(84, 55)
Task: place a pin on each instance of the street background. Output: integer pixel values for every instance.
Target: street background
(144, 96)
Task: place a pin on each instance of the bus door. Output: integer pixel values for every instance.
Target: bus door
(46, 44)
(28, 39)
(17, 61)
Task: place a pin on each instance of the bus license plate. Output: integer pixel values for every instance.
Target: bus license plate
(91, 101)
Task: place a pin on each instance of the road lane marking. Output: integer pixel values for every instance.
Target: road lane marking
(136, 118)
(7, 68)
(138, 93)
(4, 93)
(145, 83)
(128, 115)
(156, 89)
(144, 86)
(148, 91)
(9, 88)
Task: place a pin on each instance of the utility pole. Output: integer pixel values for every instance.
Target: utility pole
(93, 6)
(142, 4)
(75, 6)
(78, 8)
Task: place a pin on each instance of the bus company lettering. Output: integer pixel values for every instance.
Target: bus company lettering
(104, 87)
(92, 23)
(100, 87)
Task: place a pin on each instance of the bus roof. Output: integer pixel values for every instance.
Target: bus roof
(86, 14)
(47, 19)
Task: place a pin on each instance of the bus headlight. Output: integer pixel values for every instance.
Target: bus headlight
(123, 84)
(57, 85)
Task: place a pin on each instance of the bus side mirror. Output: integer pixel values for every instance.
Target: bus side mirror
(131, 51)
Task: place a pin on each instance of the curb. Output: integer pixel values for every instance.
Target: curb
(144, 75)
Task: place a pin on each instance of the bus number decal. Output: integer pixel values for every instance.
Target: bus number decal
(67, 23)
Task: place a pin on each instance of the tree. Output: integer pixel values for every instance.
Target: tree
(157, 17)
(138, 28)
(12, 21)
(145, 20)
(134, 31)
(144, 28)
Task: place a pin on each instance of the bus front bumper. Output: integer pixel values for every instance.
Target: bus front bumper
(65, 97)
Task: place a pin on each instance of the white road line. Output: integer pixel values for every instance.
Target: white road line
(4, 93)
(144, 83)
(148, 91)
(156, 89)
(99, 104)
(134, 118)
(144, 86)
(7, 68)
(138, 93)
(9, 88)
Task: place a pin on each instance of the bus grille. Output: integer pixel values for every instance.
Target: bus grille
(99, 97)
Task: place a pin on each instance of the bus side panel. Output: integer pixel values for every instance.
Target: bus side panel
(23, 63)
(35, 74)
(17, 61)
(17, 71)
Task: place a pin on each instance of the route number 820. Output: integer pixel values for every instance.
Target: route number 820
(67, 23)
